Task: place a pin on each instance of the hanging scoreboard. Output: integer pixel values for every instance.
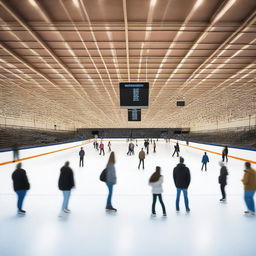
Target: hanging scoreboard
(134, 95)
(134, 115)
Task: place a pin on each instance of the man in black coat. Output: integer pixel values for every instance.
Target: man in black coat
(81, 154)
(20, 185)
(66, 183)
(181, 177)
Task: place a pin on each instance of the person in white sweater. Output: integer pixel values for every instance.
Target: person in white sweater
(156, 181)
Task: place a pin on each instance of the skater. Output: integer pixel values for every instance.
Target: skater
(205, 160)
(81, 161)
(130, 149)
(223, 181)
(110, 181)
(109, 146)
(15, 151)
(154, 146)
(141, 157)
(65, 184)
(176, 149)
(225, 154)
(181, 177)
(20, 185)
(136, 143)
(102, 148)
(156, 181)
(94, 144)
(249, 181)
(97, 145)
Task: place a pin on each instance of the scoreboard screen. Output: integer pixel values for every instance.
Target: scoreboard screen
(134, 115)
(134, 95)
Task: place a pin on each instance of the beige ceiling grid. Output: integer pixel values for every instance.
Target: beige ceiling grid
(74, 53)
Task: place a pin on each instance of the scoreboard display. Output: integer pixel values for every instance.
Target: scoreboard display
(134, 95)
(134, 115)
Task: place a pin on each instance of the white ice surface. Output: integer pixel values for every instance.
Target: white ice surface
(210, 229)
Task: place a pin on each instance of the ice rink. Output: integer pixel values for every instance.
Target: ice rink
(211, 228)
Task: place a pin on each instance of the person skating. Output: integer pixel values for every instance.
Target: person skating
(141, 158)
(176, 149)
(154, 147)
(20, 185)
(130, 149)
(109, 146)
(102, 148)
(15, 150)
(110, 180)
(181, 177)
(156, 181)
(249, 181)
(225, 154)
(65, 184)
(81, 155)
(97, 145)
(223, 180)
(205, 160)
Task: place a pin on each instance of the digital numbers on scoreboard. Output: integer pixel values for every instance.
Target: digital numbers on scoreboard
(134, 115)
(134, 95)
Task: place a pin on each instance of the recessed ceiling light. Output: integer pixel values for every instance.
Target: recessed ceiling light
(76, 3)
(32, 2)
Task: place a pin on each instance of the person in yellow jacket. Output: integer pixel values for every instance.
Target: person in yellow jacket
(249, 181)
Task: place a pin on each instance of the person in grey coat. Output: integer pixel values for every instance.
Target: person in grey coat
(110, 180)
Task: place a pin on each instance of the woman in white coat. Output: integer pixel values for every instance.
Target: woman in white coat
(156, 181)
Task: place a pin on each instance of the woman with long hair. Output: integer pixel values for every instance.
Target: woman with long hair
(156, 181)
(110, 180)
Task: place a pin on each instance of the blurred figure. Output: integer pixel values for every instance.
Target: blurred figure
(102, 148)
(187, 142)
(156, 181)
(81, 161)
(110, 180)
(249, 181)
(20, 185)
(66, 183)
(94, 144)
(109, 146)
(181, 177)
(223, 180)
(176, 149)
(141, 157)
(97, 145)
(205, 160)
(15, 151)
(130, 149)
(225, 154)
(136, 143)
(154, 147)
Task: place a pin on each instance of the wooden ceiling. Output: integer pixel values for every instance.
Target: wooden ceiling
(61, 61)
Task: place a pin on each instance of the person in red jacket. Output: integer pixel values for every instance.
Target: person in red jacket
(102, 148)
(20, 185)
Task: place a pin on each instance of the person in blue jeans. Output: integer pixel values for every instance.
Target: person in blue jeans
(110, 181)
(20, 185)
(205, 160)
(66, 183)
(181, 177)
(249, 181)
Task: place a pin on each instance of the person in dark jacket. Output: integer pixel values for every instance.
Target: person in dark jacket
(225, 154)
(181, 177)
(66, 183)
(81, 161)
(111, 180)
(20, 185)
(223, 180)
(154, 146)
(176, 149)
(15, 150)
(205, 160)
